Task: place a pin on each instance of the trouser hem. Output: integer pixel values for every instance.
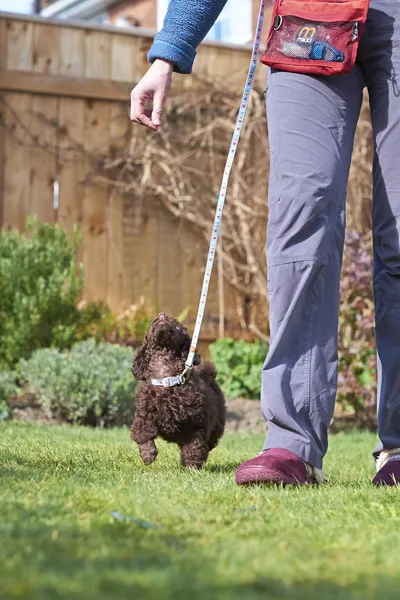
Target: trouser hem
(297, 446)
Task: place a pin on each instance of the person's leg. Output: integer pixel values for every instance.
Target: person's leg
(311, 123)
(380, 55)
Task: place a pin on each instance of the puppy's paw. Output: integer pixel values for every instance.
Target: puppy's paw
(193, 461)
(148, 452)
(196, 465)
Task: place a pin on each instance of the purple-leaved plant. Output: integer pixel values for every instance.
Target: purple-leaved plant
(357, 352)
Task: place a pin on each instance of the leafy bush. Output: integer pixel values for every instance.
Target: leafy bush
(91, 384)
(239, 365)
(126, 328)
(7, 388)
(129, 327)
(357, 354)
(40, 285)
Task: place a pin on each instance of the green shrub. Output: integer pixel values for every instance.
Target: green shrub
(7, 388)
(239, 365)
(90, 385)
(126, 328)
(40, 285)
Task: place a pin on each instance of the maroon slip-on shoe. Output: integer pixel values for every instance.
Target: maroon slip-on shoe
(278, 465)
(388, 468)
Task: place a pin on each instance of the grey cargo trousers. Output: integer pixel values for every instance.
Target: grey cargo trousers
(312, 122)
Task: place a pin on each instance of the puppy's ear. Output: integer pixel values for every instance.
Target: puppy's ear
(185, 352)
(197, 359)
(140, 362)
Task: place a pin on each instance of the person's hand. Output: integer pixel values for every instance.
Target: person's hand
(154, 86)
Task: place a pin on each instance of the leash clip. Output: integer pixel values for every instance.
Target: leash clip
(185, 374)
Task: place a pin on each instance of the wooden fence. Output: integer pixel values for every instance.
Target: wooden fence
(62, 82)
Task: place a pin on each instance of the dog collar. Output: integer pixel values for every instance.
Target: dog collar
(168, 382)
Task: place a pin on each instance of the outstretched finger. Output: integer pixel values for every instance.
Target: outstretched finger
(158, 109)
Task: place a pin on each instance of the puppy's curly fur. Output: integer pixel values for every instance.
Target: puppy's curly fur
(191, 415)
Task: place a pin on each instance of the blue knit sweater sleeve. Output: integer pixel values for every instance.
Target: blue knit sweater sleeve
(186, 24)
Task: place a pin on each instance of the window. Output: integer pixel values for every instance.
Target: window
(234, 24)
(100, 18)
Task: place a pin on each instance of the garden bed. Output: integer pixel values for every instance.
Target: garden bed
(243, 416)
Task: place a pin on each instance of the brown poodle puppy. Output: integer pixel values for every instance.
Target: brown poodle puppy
(191, 415)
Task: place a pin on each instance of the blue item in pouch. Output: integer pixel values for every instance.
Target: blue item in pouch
(324, 51)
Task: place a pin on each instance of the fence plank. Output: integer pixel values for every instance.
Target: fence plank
(97, 55)
(18, 143)
(45, 49)
(3, 45)
(144, 256)
(122, 59)
(43, 157)
(128, 238)
(115, 249)
(72, 47)
(71, 119)
(19, 45)
(3, 62)
(96, 198)
(45, 59)
(140, 49)
(118, 278)
(192, 265)
(95, 236)
(169, 259)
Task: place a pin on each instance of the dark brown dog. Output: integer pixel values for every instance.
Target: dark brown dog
(191, 415)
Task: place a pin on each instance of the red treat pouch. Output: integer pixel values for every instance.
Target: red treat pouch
(315, 37)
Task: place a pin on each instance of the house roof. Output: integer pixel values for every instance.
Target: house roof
(80, 9)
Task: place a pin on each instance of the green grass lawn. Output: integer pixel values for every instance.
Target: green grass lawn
(196, 534)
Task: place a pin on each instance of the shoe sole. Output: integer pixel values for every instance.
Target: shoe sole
(266, 476)
(392, 481)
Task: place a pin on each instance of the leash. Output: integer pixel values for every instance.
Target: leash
(180, 379)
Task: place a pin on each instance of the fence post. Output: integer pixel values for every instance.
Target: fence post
(3, 64)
